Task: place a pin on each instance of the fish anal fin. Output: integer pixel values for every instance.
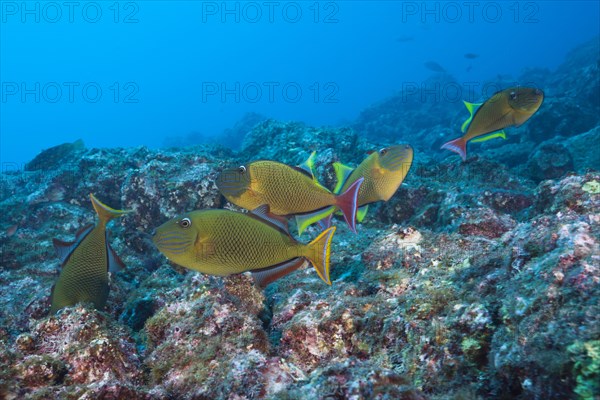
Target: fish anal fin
(489, 136)
(268, 275)
(264, 214)
(115, 263)
(303, 221)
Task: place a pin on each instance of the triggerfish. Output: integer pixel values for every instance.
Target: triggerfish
(383, 172)
(86, 262)
(224, 242)
(287, 191)
(509, 107)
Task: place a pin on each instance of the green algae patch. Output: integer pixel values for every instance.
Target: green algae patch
(592, 187)
(587, 368)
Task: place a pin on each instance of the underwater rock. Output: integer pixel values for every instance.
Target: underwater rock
(203, 335)
(550, 161)
(76, 348)
(53, 157)
(292, 142)
(576, 193)
(234, 136)
(472, 281)
(484, 222)
(579, 147)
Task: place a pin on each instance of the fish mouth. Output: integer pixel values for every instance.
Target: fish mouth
(172, 242)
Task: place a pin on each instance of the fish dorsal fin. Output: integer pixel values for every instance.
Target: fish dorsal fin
(263, 214)
(342, 172)
(472, 107)
(64, 249)
(309, 164)
(303, 171)
(105, 213)
(115, 263)
(310, 175)
(500, 134)
(267, 275)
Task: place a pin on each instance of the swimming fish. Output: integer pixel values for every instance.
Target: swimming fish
(382, 172)
(471, 56)
(224, 242)
(11, 230)
(86, 262)
(506, 108)
(433, 66)
(405, 38)
(288, 191)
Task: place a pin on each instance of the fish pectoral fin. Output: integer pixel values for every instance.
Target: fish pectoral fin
(115, 263)
(303, 221)
(270, 274)
(342, 172)
(493, 135)
(264, 214)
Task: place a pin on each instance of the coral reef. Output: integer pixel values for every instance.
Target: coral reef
(478, 279)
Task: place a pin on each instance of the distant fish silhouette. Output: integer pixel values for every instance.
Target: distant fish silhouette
(469, 68)
(471, 56)
(404, 39)
(432, 65)
(11, 230)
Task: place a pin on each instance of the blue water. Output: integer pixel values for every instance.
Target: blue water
(140, 72)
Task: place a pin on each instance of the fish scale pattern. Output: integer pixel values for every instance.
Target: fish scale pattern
(236, 243)
(286, 190)
(381, 184)
(85, 275)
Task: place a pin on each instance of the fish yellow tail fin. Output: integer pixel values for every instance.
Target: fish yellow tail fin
(458, 146)
(105, 213)
(318, 253)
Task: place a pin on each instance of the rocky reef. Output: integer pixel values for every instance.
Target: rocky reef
(476, 280)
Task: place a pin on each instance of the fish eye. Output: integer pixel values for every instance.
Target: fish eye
(185, 223)
(242, 169)
(382, 152)
(513, 95)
